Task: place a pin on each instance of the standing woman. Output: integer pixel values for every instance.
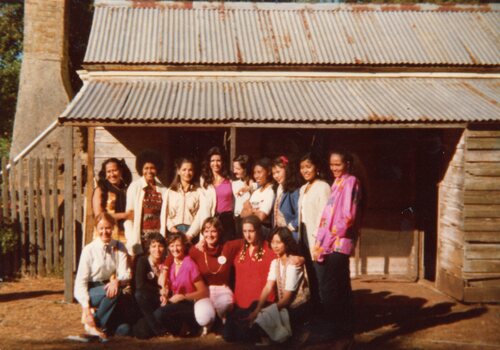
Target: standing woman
(312, 200)
(261, 201)
(183, 203)
(103, 268)
(242, 187)
(147, 198)
(335, 242)
(110, 195)
(218, 191)
(286, 205)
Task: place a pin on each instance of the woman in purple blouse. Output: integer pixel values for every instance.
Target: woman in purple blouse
(219, 199)
(335, 242)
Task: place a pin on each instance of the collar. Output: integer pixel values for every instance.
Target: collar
(100, 243)
(144, 184)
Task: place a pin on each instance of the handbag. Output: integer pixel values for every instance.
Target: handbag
(303, 293)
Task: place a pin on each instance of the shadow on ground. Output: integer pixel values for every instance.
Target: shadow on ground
(401, 315)
(28, 295)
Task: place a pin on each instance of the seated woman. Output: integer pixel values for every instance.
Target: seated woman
(183, 201)
(110, 195)
(188, 295)
(278, 320)
(251, 267)
(102, 270)
(149, 293)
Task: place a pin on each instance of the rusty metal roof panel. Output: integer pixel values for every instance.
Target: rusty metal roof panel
(161, 32)
(285, 100)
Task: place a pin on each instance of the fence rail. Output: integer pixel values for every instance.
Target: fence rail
(32, 222)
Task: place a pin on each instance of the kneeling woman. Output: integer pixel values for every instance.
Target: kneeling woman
(188, 294)
(278, 319)
(103, 268)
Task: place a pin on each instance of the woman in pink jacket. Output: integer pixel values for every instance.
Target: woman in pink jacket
(335, 242)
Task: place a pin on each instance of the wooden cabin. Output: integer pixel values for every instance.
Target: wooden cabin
(411, 90)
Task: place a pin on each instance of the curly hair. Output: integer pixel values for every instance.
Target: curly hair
(148, 157)
(155, 237)
(206, 171)
(101, 181)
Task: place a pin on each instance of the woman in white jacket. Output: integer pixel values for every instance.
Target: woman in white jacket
(218, 193)
(312, 200)
(184, 201)
(147, 198)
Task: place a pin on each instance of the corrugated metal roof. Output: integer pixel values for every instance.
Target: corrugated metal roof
(291, 34)
(285, 100)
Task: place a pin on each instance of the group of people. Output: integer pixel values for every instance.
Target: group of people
(261, 255)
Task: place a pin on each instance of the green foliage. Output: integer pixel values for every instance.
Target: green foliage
(4, 146)
(11, 29)
(8, 237)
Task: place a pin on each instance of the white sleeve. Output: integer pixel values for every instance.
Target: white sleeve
(122, 268)
(272, 271)
(129, 224)
(294, 275)
(82, 278)
(195, 227)
(268, 200)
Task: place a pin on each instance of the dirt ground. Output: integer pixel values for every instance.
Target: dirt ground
(390, 315)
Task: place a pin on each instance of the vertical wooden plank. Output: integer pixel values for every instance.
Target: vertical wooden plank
(46, 206)
(40, 242)
(13, 215)
(89, 188)
(55, 216)
(232, 146)
(31, 216)
(68, 214)
(5, 190)
(22, 216)
(78, 197)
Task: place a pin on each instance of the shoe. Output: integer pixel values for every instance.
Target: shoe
(93, 331)
(264, 341)
(204, 332)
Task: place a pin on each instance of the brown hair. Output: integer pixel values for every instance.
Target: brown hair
(104, 216)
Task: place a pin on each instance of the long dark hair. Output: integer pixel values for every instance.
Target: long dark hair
(291, 182)
(266, 164)
(206, 172)
(314, 160)
(104, 184)
(176, 182)
(257, 225)
(291, 247)
(246, 163)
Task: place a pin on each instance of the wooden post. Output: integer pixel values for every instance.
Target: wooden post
(31, 216)
(5, 190)
(40, 243)
(22, 216)
(68, 214)
(232, 145)
(55, 210)
(13, 214)
(89, 190)
(48, 231)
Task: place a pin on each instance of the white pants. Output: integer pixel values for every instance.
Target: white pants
(219, 302)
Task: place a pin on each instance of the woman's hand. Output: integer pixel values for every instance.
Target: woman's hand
(129, 215)
(112, 288)
(87, 317)
(200, 246)
(176, 298)
(296, 260)
(315, 252)
(251, 318)
(163, 296)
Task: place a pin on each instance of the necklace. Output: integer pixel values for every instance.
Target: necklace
(178, 263)
(221, 260)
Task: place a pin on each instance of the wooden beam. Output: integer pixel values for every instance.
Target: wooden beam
(68, 214)
(89, 215)
(232, 147)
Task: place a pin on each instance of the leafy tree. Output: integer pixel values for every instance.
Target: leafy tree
(11, 27)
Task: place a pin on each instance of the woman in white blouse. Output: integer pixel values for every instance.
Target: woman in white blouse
(261, 201)
(103, 268)
(243, 187)
(312, 200)
(184, 201)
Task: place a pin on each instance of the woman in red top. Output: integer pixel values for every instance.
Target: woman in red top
(215, 258)
(251, 267)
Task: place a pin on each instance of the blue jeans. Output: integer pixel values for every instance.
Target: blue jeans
(104, 305)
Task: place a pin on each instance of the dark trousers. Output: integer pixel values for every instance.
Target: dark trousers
(335, 294)
(236, 327)
(311, 271)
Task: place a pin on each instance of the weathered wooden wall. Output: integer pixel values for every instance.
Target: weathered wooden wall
(469, 220)
(481, 215)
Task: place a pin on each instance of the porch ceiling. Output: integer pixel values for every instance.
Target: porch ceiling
(302, 101)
